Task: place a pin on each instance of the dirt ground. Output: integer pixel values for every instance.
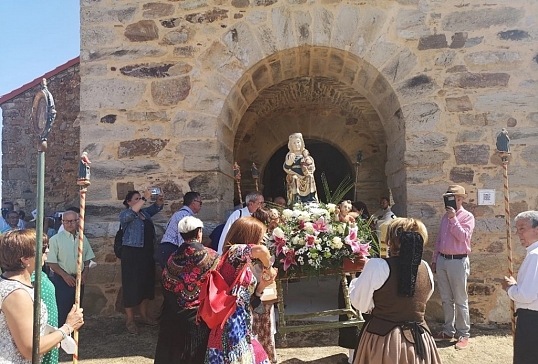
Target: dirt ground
(104, 340)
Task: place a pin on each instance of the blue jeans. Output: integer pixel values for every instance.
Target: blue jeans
(65, 297)
(452, 277)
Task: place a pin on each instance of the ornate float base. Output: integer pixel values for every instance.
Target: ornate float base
(354, 316)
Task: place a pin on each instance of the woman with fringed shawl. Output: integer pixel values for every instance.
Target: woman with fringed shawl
(234, 342)
(395, 290)
(181, 339)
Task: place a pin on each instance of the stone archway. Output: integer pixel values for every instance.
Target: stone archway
(329, 95)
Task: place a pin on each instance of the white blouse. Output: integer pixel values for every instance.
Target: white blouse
(373, 276)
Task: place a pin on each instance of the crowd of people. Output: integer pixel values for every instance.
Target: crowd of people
(392, 292)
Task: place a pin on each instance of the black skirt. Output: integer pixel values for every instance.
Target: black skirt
(181, 340)
(138, 270)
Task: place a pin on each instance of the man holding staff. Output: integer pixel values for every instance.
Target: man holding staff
(524, 291)
(62, 259)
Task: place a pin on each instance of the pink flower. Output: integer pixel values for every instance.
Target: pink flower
(320, 225)
(289, 259)
(355, 243)
(280, 243)
(310, 241)
(301, 224)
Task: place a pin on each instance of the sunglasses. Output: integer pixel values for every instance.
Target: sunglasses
(45, 248)
(69, 221)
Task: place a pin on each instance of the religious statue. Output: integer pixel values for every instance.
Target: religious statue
(84, 170)
(503, 141)
(299, 167)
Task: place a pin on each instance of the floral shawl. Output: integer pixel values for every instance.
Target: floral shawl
(185, 269)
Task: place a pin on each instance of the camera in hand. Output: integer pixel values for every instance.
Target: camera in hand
(450, 201)
(155, 192)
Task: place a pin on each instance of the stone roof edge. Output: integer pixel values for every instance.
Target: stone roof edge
(37, 81)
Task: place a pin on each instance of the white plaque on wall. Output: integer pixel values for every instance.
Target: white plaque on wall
(486, 197)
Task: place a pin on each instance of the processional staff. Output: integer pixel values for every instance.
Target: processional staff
(503, 150)
(255, 175)
(237, 177)
(83, 182)
(43, 116)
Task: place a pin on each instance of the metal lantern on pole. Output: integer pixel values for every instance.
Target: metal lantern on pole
(83, 182)
(503, 150)
(43, 116)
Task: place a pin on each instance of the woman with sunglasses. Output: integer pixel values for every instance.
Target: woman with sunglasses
(137, 262)
(17, 259)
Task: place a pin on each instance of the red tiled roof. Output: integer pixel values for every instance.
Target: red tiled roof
(38, 80)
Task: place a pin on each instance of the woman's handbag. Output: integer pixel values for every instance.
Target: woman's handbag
(216, 301)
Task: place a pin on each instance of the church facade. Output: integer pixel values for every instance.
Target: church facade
(405, 96)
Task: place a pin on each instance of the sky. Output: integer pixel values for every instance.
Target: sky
(36, 36)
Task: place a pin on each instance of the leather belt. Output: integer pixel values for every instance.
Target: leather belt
(456, 256)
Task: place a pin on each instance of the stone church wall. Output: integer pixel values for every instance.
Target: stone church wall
(20, 140)
(172, 92)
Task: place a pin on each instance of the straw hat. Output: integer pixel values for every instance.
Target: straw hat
(456, 190)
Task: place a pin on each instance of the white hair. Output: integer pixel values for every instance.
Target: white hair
(530, 215)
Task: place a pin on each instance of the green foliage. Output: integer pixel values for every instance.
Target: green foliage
(341, 190)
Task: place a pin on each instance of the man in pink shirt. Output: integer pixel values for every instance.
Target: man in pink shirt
(451, 263)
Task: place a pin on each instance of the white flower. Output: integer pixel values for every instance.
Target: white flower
(337, 242)
(296, 240)
(296, 213)
(287, 213)
(309, 228)
(310, 262)
(279, 233)
(331, 207)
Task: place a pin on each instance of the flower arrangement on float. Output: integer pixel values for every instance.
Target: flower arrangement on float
(314, 238)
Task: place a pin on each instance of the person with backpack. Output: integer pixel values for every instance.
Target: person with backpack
(137, 263)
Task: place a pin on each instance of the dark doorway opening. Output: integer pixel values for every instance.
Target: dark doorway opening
(328, 159)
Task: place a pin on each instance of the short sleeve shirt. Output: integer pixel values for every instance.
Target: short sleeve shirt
(63, 250)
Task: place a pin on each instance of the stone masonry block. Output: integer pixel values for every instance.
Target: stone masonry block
(435, 41)
(140, 147)
(142, 31)
(462, 103)
(481, 19)
(477, 80)
(111, 93)
(462, 175)
(472, 154)
(170, 91)
(422, 116)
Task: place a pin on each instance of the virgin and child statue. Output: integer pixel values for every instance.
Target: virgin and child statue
(299, 167)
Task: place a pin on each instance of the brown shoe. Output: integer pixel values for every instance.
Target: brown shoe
(463, 343)
(442, 336)
(131, 328)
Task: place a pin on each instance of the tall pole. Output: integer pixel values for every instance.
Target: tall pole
(83, 182)
(357, 165)
(508, 235)
(503, 149)
(237, 177)
(43, 115)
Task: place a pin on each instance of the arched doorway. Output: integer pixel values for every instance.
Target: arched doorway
(329, 160)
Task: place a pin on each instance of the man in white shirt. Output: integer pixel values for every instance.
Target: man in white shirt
(254, 201)
(524, 291)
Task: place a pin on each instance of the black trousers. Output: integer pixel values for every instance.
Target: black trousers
(163, 252)
(525, 347)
